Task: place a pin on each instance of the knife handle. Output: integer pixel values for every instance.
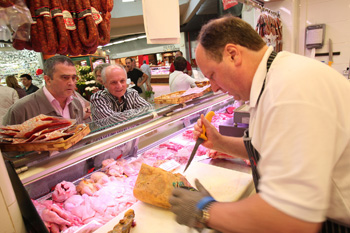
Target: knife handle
(208, 117)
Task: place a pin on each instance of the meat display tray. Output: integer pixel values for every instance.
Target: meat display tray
(224, 185)
(49, 146)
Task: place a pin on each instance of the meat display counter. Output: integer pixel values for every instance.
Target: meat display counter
(131, 140)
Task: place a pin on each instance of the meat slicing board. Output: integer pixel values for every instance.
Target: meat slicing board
(224, 184)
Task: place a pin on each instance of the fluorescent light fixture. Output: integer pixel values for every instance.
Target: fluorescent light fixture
(128, 0)
(286, 10)
(141, 37)
(118, 42)
(130, 39)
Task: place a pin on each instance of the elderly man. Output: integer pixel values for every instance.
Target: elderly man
(298, 140)
(54, 99)
(116, 103)
(29, 87)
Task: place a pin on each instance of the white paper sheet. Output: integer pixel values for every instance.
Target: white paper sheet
(162, 21)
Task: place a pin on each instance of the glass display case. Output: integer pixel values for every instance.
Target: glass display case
(169, 125)
(160, 74)
(160, 70)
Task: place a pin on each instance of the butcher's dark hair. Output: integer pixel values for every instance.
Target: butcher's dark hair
(217, 33)
(27, 76)
(49, 65)
(180, 63)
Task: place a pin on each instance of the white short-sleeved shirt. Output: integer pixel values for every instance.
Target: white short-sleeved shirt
(301, 128)
(180, 81)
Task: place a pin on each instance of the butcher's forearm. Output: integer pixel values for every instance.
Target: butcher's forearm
(232, 146)
(253, 214)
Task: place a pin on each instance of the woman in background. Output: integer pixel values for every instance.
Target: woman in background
(97, 74)
(11, 81)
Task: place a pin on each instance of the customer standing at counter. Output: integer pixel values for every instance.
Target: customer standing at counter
(12, 82)
(8, 97)
(54, 99)
(135, 74)
(116, 103)
(145, 68)
(97, 74)
(29, 87)
(188, 68)
(178, 80)
(299, 137)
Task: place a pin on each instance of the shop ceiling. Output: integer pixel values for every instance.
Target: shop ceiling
(127, 17)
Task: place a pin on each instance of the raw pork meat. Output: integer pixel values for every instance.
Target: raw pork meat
(63, 191)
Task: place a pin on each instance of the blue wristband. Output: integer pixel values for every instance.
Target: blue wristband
(204, 202)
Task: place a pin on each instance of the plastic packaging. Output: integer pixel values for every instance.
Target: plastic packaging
(15, 20)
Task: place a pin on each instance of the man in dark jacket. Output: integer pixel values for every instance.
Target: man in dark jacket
(29, 87)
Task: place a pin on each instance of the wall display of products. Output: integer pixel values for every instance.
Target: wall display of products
(20, 62)
(91, 60)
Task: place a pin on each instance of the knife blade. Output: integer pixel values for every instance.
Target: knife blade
(330, 50)
(200, 139)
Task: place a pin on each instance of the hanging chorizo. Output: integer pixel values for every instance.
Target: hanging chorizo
(56, 12)
(87, 29)
(104, 35)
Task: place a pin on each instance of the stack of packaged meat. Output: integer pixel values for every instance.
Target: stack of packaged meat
(41, 128)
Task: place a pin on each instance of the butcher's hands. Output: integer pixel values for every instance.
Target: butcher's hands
(212, 134)
(184, 204)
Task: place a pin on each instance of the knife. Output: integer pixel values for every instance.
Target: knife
(330, 56)
(200, 139)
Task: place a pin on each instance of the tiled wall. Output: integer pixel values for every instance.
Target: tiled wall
(298, 14)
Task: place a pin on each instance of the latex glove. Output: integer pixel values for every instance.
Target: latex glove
(183, 204)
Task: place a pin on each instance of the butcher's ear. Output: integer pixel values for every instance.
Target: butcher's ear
(233, 53)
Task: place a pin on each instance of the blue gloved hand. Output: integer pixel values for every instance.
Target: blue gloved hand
(184, 205)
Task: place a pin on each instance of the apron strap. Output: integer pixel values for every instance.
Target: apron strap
(269, 62)
(332, 227)
(253, 154)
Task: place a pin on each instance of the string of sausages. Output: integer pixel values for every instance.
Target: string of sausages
(64, 27)
(270, 29)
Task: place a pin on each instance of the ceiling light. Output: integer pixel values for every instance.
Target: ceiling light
(128, 0)
(141, 37)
